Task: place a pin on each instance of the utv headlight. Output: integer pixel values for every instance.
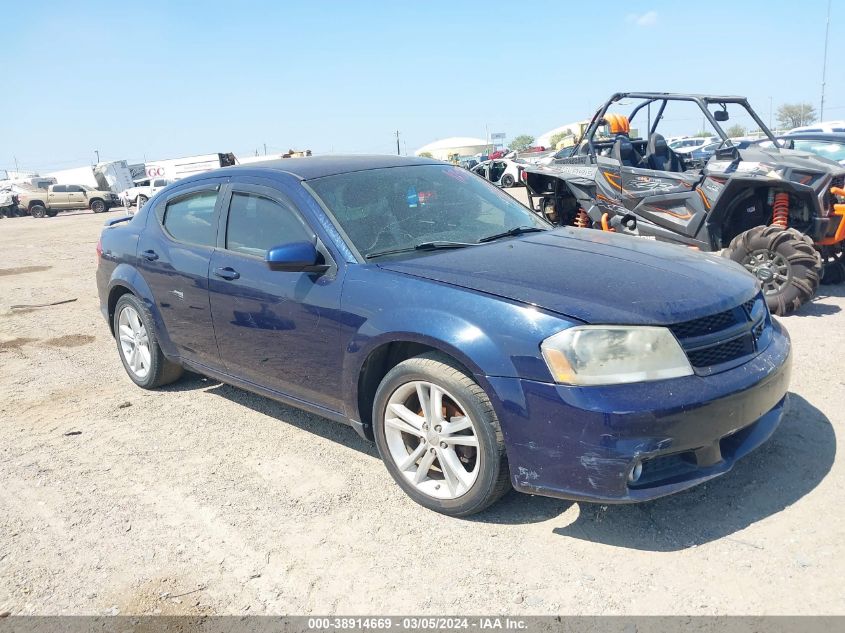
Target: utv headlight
(613, 354)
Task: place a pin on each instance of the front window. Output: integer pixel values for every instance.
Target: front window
(402, 207)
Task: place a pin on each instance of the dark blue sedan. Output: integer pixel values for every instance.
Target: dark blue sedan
(477, 346)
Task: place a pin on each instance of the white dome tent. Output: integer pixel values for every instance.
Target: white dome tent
(462, 145)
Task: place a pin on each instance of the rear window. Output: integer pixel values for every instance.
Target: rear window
(190, 218)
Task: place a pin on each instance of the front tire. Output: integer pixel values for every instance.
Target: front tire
(508, 181)
(833, 271)
(137, 345)
(784, 261)
(140, 201)
(98, 206)
(37, 211)
(439, 437)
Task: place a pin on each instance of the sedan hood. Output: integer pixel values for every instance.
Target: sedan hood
(592, 276)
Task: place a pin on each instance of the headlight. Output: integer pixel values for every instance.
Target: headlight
(612, 354)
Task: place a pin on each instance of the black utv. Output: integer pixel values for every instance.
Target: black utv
(775, 210)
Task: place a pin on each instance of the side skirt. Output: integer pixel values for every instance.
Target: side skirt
(278, 396)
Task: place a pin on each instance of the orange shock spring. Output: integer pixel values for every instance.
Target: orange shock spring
(780, 210)
(582, 220)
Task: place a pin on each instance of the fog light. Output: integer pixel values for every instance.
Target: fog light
(636, 472)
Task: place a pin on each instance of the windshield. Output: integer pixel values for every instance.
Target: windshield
(403, 207)
(87, 188)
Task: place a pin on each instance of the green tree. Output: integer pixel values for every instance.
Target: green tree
(703, 134)
(557, 138)
(736, 130)
(425, 155)
(792, 115)
(522, 142)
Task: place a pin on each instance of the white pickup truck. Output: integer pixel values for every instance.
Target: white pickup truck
(143, 191)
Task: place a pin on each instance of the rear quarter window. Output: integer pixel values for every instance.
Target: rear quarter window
(190, 218)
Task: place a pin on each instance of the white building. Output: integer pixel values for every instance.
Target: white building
(575, 129)
(461, 145)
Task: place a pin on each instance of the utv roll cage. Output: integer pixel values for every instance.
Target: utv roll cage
(648, 98)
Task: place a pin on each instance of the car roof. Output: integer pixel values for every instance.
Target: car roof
(839, 137)
(311, 167)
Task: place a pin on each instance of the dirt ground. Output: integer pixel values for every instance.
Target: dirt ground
(202, 498)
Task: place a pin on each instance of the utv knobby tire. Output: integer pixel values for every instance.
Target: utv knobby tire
(803, 262)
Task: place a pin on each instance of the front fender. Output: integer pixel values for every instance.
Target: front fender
(489, 335)
(126, 276)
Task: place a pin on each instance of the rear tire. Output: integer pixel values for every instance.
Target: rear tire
(508, 180)
(153, 369)
(784, 261)
(833, 271)
(412, 454)
(37, 211)
(52, 213)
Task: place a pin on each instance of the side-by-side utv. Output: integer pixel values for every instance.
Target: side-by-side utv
(777, 211)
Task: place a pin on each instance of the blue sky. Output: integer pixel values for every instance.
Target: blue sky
(165, 79)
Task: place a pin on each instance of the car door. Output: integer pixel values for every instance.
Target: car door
(173, 257)
(279, 330)
(668, 199)
(57, 197)
(76, 198)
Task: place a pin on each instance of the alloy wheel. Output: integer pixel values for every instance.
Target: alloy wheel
(134, 342)
(770, 268)
(432, 440)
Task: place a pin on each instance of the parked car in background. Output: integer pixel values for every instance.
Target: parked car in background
(828, 145)
(828, 127)
(503, 172)
(478, 347)
(692, 142)
(57, 198)
(144, 190)
(694, 157)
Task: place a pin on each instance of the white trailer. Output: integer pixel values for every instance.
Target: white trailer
(177, 168)
(108, 176)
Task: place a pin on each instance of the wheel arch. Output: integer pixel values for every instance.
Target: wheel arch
(126, 279)
(384, 357)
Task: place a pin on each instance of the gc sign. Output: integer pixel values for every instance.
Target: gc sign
(155, 172)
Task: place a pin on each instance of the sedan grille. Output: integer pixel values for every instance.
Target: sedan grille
(726, 339)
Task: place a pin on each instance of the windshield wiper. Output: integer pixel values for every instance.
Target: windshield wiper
(422, 246)
(517, 230)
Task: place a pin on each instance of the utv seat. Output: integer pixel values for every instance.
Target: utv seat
(659, 156)
(623, 151)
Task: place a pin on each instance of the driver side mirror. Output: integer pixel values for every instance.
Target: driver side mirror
(296, 257)
(721, 115)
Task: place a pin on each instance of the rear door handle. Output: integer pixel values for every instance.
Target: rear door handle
(150, 255)
(227, 273)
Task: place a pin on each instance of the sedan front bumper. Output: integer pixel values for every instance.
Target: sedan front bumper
(584, 443)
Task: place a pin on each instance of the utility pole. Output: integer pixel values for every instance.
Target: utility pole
(97, 152)
(770, 112)
(405, 145)
(265, 149)
(397, 143)
(824, 63)
(16, 163)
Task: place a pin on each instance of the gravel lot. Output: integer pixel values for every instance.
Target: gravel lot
(202, 498)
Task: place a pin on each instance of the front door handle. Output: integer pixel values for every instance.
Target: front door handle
(150, 255)
(227, 273)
